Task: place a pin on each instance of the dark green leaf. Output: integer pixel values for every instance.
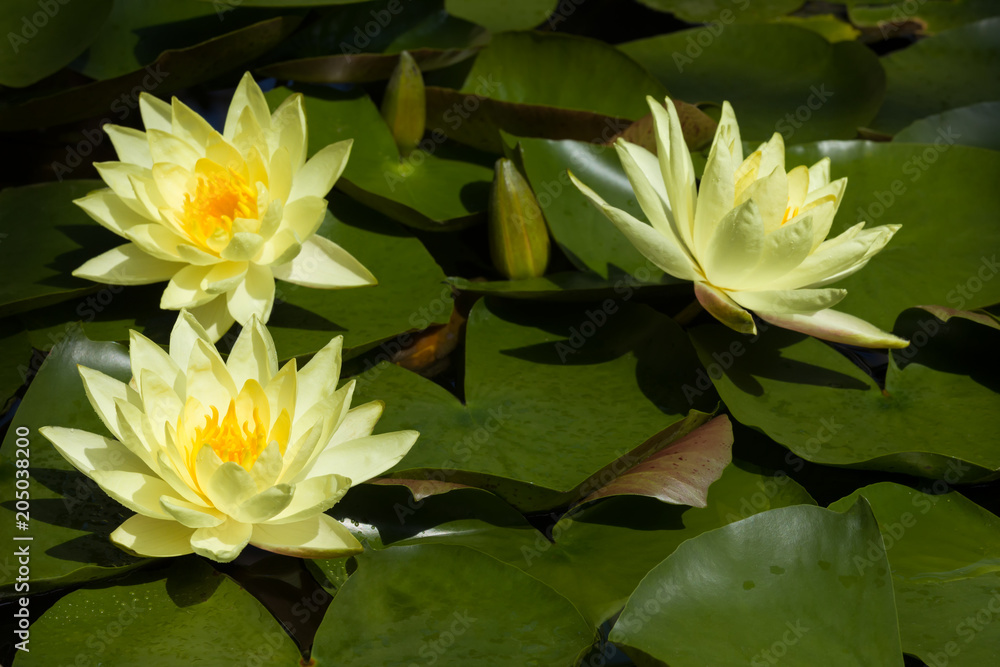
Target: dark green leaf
(542, 380)
(974, 125)
(175, 69)
(385, 615)
(813, 400)
(185, 614)
(46, 237)
(953, 69)
(70, 516)
(613, 543)
(825, 91)
(43, 37)
(945, 560)
(736, 595)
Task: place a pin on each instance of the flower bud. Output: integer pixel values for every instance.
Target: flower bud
(403, 106)
(519, 240)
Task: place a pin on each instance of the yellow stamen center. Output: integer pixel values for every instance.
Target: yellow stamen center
(231, 441)
(219, 199)
(790, 212)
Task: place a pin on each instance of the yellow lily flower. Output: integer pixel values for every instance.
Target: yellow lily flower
(752, 237)
(220, 215)
(213, 455)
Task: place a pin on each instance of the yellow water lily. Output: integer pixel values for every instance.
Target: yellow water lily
(213, 455)
(752, 237)
(220, 215)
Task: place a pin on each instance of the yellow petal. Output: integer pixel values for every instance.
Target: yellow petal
(780, 302)
(318, 378)
(131, 145)
(837, 327)
(154, 538)
(324, 264)
(249, 96)
(657, 248)
(718, 304)
(716, 195)
(317, 176)
(253, 355)
(254, 295)
(222, 543)
(128, 265)
(319, 536)
(312, 497)
(184, 289)
(364, 458)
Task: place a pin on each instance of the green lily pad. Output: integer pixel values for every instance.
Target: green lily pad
(70, 516)
(811, 399)
(735, 595)
(186, 613)
(616, 541)
(952, 69)
(826, 91)
(935, 15)
(500, 16)
(563, 71)
(384, 615)
(945, 563)
(43, 37)
(410, 294)
(917, 186)
(431, 189)
(974, 125)
(173, 70)
(36, 273)
(724, 11)
(542, 380)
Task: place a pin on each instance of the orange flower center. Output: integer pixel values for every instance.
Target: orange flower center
(219, 199)
(232, 441)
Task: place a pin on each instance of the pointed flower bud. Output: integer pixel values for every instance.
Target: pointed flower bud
(403, 106)
(519, 240)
